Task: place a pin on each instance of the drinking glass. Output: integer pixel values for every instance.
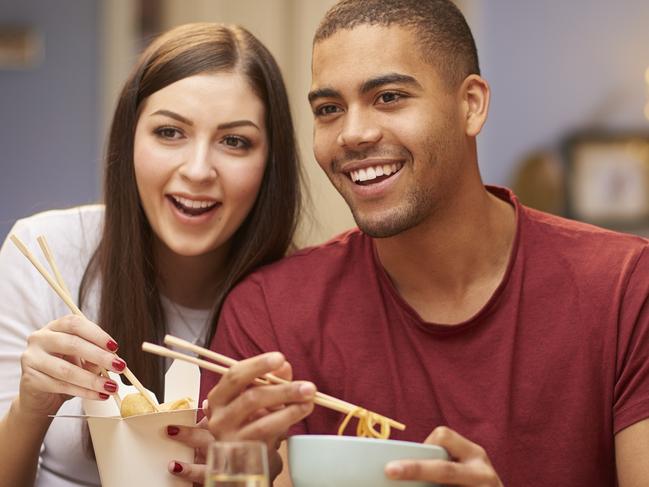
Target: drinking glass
(237, 464)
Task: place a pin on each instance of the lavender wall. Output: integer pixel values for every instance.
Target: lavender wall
(49, 115)
(555, 67)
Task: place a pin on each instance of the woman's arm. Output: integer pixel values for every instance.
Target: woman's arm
(21, 436)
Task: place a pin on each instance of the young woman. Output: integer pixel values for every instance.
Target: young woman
(201, 186)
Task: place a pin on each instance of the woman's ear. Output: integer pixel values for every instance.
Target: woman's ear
(475, 95)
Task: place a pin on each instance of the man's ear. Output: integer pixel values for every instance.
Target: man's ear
(475, 94)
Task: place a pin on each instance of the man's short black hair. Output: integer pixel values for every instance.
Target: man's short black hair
(442, 32)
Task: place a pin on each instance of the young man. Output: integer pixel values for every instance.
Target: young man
(514, 339)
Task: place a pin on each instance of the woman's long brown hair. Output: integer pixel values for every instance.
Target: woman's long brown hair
(123, 264)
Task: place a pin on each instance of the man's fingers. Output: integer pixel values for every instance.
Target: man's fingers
(236, 414)
(275, 425)
(188, 471)
(241, 375)
(457, 446)
(284, 372)
(442, 471)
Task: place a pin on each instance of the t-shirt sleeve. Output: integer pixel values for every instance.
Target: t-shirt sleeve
(632, 368)
(244, 328)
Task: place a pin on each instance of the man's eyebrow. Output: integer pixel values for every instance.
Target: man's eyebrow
(386, 79)
(367, 86)
(323, 93)
(174, 115)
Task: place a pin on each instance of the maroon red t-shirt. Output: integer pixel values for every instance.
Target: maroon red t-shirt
(543, 376)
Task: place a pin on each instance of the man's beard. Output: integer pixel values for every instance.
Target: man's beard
(414, 210)
(417, 204)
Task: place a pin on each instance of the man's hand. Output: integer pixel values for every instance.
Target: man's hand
(239, 411)
(469, 464)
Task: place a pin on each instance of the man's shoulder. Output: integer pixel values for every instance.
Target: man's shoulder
(315, 264)
(578, 241)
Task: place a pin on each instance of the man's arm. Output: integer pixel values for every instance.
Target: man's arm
(632, 455)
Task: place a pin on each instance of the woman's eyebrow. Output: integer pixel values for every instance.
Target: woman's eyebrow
(174, 115)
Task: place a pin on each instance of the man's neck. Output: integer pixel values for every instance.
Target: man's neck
(448, 267)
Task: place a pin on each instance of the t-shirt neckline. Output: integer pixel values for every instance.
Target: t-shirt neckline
(504, 194)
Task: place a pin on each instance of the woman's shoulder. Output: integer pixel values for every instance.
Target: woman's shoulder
(78, 217)
(76, 228)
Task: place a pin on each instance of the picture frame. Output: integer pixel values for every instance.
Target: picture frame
(607, 179)
(21, 47)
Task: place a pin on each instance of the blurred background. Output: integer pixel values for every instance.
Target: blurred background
(568, 126)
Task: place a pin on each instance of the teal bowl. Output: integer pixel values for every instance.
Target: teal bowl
(346, 461)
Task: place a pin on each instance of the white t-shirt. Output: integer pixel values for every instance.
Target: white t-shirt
(27, 303)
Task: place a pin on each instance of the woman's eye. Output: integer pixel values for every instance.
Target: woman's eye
(236, 142)
(169, 133)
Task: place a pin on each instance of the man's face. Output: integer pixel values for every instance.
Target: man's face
(388, 132)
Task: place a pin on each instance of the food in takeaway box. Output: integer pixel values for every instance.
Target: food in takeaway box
(134, 404)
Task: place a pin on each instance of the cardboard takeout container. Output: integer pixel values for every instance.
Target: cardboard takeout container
(136, 450)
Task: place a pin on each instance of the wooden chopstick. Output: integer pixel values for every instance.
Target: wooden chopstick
(217, 357)
(49, 256)
(60, 289)
(321, 399)
(50, 260)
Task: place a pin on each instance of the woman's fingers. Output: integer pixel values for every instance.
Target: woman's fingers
(75, 336)
(77, 348)
(89, 331)
(189, 471)
(48, 373)
(34, 380)
(192, 436)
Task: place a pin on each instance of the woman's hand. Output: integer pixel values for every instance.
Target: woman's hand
(62, 359)
(197, 437)
(470, 465)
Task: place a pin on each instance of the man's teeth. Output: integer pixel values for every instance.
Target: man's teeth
(373, 172)
(195, 204)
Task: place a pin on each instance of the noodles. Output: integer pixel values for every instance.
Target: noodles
(367, 421)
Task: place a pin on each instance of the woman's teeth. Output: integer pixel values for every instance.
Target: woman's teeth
(192, 207)
(373, 172)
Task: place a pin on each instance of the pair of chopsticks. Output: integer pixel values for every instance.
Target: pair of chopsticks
(62, 290)
(321, 399)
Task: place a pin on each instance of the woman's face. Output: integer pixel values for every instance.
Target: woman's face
(200, 152)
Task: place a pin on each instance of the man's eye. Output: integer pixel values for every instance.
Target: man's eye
(326, 110)
(236, 142)
(389, 97)
(168, 133)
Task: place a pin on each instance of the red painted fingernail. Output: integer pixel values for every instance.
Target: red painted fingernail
(103, 396)
(112, 345)
(110, 386)
(177, 467)
(173, 430)
(119, 364)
